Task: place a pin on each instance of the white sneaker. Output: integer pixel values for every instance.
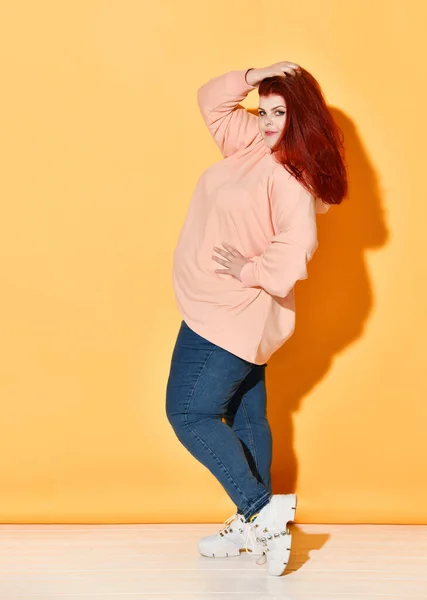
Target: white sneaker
(235, 536)
(272, 532)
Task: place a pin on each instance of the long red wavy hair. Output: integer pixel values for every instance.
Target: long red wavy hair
(311, 146)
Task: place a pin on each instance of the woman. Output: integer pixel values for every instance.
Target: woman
(253, 214)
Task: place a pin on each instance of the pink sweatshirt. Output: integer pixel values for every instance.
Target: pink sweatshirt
(249, 201)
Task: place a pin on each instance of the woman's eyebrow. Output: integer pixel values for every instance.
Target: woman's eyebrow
(260, 108)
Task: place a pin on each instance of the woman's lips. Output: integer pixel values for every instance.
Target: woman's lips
(270, 132)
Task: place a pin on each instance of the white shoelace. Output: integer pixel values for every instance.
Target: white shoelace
(250, 535)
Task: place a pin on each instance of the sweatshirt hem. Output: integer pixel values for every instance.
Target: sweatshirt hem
(221, 343)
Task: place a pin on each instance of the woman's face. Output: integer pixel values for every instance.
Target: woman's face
(271, 117)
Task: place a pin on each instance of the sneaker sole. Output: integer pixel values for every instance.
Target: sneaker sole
(231, 552)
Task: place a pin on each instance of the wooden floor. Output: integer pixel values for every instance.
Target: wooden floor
(115, 562)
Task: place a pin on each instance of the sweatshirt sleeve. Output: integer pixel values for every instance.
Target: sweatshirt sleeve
(231, 125)
(285, 259)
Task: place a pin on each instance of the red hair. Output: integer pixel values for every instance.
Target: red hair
(311, 145)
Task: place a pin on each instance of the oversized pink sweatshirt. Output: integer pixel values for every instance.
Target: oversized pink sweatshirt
(249, 201)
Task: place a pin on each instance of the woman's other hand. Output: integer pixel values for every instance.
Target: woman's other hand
(235, 261)
(255, 76)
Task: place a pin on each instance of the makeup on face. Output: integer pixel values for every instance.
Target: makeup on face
(276, 121)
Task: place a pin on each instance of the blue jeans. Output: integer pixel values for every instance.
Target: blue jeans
(216, 404)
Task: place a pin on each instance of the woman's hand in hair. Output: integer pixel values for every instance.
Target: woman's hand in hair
(255, 76)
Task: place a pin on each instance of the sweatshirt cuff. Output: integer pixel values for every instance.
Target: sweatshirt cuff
(247, 274)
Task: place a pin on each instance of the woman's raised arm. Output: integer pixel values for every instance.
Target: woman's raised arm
(230, 124)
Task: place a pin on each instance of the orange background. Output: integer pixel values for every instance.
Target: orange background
(101, 146)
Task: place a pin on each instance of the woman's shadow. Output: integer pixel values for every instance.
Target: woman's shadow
(332, 308)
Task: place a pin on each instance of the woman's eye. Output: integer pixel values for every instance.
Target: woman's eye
(279, 112)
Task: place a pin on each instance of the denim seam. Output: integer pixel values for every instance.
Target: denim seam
(248, 424)
(195, 384)
(230, 478)
(221, 464)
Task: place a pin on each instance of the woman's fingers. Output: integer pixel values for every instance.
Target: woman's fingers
(231, 250)
(221, 251)
(289, 70)
(219, 260)
(288, 67)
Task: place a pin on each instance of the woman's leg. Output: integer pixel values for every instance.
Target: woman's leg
(203, 379)
(247, 415)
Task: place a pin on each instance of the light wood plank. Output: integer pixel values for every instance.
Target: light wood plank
(161, 561)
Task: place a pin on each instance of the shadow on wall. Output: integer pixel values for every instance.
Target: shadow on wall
(332, 305)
